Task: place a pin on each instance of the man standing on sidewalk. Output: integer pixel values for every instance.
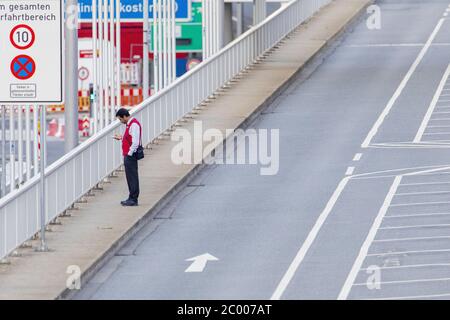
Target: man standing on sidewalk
(131, 140)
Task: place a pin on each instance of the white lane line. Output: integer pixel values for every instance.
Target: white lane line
(402, 85)
(404, 281)
(357, 157)
(309, 240)
(418, 204)
(440, 119)
(415, 297)
(437, 126)
(407, 252)
(436, 133)
(429, 172)
(442, 225)
(412, 266)
(398, 171)
(350, 171)
(416, 147)
(389, 45)
(417, 215)
(442, 112)
(411, 239)
(358, 177)
(421, 193)
(423, 183)
(369, 239)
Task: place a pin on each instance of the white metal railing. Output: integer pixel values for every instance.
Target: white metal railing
(75, 174)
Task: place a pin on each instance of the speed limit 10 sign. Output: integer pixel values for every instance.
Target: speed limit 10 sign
(31, 58)
(22, 36)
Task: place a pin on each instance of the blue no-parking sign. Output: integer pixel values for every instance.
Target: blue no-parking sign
(132, 10)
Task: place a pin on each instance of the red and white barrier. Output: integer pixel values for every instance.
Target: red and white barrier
(56, 128)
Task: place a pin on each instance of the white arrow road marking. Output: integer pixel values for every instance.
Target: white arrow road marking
(199, 262)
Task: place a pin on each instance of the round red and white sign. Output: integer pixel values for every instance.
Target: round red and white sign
(192, 63)
(83, 73)
(22, 36)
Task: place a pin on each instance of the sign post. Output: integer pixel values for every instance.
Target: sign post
(32, 66)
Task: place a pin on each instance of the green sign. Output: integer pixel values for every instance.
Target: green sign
(189, 34)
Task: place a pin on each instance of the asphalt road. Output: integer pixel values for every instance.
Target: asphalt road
(359, 208)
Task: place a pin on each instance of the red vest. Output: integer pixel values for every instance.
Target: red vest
(127, 139)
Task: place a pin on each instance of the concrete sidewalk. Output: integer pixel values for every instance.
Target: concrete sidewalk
(95, 231)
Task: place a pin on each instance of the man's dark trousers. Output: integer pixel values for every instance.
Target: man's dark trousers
(131, 172)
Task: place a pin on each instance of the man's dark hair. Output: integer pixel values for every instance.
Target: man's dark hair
(122, 113)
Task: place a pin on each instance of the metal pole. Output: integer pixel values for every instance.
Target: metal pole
(160, 46)
(239, 19)
(145, 71)
(220, 23)
(259, 11)
(174, 42)
(94, 66)
(155, 48)
(118, 56)
(169, 41)
(106, 61)
(165, 42)
(227, 23)
(20, 144)
(206, 15)
(27, 142)
(71, 71)
(101, 63)
(111, 60)
(3, 182)
(43, 246)
(12, 159)
(35, 140)
(204, 29)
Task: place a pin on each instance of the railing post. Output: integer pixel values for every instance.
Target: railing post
(42, 203)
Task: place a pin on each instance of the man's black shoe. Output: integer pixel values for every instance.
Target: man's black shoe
(124, 201)
(129, 203)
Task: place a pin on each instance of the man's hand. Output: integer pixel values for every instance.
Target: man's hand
(118, 137)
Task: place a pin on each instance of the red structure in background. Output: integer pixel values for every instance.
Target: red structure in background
(131, 40)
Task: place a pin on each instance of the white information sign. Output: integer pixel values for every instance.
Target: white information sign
(31, 57)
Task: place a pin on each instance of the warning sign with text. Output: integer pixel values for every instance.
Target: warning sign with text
(31, 57)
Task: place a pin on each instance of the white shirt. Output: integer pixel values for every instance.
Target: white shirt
(135, 134)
